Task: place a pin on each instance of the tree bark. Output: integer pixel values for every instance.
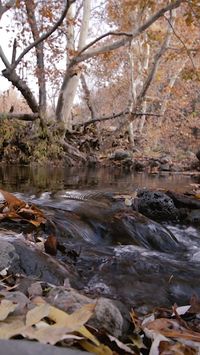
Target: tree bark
(87, 97)
(40, 72)
(22, 87)
(71, 80)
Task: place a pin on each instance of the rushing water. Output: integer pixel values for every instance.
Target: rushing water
(109, 258)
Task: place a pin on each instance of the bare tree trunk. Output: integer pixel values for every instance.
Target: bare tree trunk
(71, 80)
(87, 96)
(139, 62)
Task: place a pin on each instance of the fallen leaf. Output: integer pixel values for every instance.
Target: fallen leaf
(6, 307)
(121, 345)
(8, 330)
(181, 310)
(36, 314)
(101, 349)
(50, 245)
(51, 334)
(12, 201)
(73, 321)
(171, 329)
(167, 348)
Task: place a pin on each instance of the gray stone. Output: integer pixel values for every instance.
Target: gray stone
(106, 316)
(120, 154)
(8, 256)
(23, 347)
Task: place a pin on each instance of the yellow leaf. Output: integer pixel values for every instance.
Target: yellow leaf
(36, 314)
(8, 330)
(73, 321)
(51, 334)
(6, 307)
(101, 349)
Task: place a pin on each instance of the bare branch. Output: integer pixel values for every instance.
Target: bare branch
(113, 116)
(14, 51)
(180, 39)
(45, 35)
(81, 56)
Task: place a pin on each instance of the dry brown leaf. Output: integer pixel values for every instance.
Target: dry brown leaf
(172, 329)
(12, 201)
(166, 348)
(6, 307)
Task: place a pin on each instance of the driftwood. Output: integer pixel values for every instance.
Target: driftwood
(20, 116)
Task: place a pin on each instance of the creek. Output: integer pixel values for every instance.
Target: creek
(115, 252)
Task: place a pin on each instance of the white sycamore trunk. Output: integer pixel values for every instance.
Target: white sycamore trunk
(72, 85)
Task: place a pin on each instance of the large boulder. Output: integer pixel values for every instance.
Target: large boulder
(157, 205)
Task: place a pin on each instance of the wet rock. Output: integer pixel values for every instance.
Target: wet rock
(139, 165)
(120, 154)
(144, 279)
(135, 229)
(23, 347)
(23, 257)
(33, 262)
(106, 316)
(156, 205)
(9, 258)
(165, 167)
(193, 217)
(184, 201)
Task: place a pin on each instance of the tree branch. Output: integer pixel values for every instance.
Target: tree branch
(81, 56)
(115, 115)
(22, 87)
(45, 35)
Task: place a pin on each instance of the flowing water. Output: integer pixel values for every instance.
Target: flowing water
(116, 253)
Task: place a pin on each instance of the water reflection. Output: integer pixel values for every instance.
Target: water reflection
(33, 180)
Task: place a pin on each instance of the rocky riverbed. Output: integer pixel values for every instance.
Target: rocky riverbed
(117, 252)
